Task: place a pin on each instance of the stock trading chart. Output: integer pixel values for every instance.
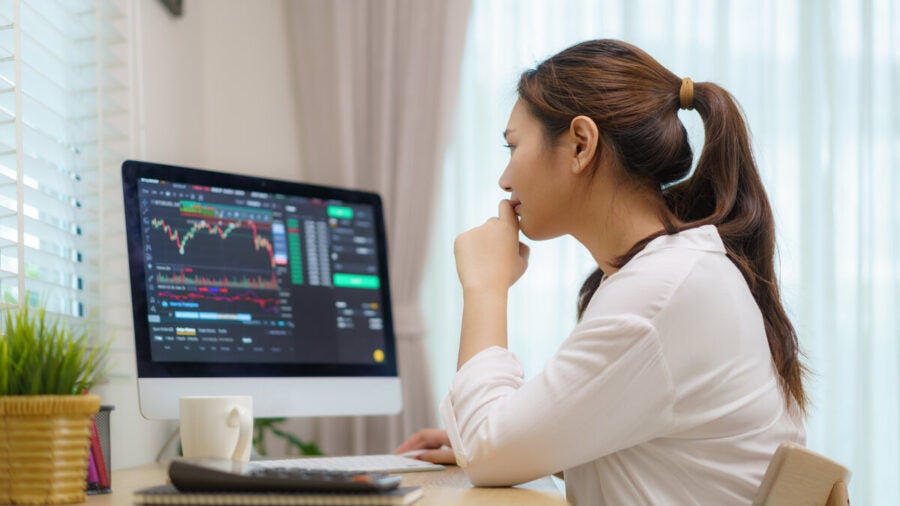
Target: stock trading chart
(234, 275)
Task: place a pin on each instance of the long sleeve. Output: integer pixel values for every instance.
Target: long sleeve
(607, 388)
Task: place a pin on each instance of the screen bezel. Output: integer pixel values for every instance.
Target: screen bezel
(133, 170)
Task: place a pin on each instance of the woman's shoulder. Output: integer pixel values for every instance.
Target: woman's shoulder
(646, 284)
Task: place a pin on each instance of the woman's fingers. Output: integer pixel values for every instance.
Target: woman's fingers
(424, 439)
(524, 252)
(438, 456)
(506, 213)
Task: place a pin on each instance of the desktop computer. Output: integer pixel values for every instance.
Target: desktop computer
(244, 285)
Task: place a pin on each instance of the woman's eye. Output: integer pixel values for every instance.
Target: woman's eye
(510, 147)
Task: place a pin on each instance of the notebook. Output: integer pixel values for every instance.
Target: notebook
(169, 495)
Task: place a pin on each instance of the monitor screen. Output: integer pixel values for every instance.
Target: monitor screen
(246, 285)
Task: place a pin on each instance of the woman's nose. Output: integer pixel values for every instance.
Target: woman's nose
(504, 183)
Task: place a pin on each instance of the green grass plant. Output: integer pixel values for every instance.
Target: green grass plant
(262, 426)
(39, 355)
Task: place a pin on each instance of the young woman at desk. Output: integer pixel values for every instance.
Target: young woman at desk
(682, 376)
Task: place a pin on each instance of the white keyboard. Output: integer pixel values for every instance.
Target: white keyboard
(369, 463)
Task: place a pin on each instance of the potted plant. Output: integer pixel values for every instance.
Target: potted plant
(46, 370)
(261, 426)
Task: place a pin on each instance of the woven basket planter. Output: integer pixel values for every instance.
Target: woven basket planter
(44, 445)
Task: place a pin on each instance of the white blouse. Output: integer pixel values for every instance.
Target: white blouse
(664, 393)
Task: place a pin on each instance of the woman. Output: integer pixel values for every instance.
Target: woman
(682, 375)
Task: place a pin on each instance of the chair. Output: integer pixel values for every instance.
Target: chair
(798, 476)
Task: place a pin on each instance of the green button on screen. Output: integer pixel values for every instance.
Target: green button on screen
(344, 213)
(356, 281)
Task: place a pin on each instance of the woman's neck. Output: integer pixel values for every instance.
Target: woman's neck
(612, 224)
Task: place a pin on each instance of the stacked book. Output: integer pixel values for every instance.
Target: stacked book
(223, 482)
(169, 495)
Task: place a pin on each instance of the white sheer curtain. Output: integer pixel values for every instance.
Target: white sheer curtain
(819, 83)
(376, 83)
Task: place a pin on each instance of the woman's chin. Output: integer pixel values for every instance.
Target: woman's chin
(538, 233)
(534, 233)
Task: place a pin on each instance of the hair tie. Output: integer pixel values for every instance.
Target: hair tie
(687, 93)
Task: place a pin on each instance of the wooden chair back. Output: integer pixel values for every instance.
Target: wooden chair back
(802, 477)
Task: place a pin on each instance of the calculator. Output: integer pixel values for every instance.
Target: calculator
(209, 475)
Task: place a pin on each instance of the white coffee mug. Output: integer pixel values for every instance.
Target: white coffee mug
(218, 427)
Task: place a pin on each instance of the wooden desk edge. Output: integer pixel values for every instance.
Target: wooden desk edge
(448, 487)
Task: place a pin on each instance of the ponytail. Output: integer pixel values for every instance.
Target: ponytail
(726, 190)
(634, 102)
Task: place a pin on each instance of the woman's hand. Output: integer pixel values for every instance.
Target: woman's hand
(433, 441)
(491, 256)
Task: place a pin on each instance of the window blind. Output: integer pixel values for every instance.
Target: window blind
(64, 129)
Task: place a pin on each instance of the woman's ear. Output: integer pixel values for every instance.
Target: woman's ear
(586, 140)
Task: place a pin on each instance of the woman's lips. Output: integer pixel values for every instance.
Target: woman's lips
(516, 205)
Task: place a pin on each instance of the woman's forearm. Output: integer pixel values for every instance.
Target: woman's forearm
(483, 321)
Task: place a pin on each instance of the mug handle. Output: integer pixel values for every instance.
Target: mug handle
(240, 416)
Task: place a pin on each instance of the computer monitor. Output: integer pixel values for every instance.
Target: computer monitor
(243, 285)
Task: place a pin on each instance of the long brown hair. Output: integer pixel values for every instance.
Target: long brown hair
(634, 101)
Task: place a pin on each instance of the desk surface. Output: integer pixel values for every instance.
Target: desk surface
(441, 488)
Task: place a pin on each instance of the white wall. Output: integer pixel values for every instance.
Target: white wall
(217, 89)
(213, 90)
(249, 123)
(170, 84)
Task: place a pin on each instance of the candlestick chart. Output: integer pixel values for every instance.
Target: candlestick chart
(208, 258)
(223, 243)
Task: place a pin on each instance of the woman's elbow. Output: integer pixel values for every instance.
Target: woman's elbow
(496, 474)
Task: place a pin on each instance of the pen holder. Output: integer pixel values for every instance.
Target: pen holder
(99, 477)
(44, 447)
